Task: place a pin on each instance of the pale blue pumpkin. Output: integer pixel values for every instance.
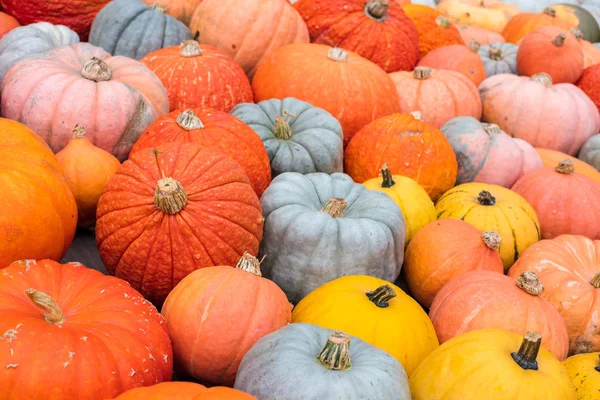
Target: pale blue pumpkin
(590, 152)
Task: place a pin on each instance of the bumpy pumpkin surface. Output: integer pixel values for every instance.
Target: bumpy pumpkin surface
(590, 152)
(499, 58)
(551, 158)
(584, 371)
(184, 391)
(526, 22)
(589, 82)
(433, 28)
(457, 57)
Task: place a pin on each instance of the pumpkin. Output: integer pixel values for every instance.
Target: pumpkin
(480, 35)
(588, 83)
(34, 189)
(434, 29)
(351, 231)
(115, 98)
(492, 363)
(492, 19)
(493, 208)
(413, 200)
(568, 268)
(591, 54)
(87, 169)
(330, 78)
(444, 249)
(561, 118)
(92, 334)
(193, 203)
(388, 318)
(184, 391)
(309, 356)
(378, 30)
(590, 152)
(205, 348)
(248, 33)
(499, 58)
(551, 158)
(7, 23)
(551, 43)
(585, 20)
(297, 136)
(409, 146)
(584, 371)
(558, 195)
(459, 58)
(32, 39)
(180, 9)
(531, 158)
(526, 22)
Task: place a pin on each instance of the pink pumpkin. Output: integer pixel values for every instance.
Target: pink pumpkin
(531, 158)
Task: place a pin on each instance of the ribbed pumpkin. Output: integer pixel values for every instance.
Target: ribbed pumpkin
(87, 169)
(173, 209)
(7, 23)
(199, 76)
(444, 249)
(551, 158)
(333, 79)
(217, 130)
(591, 53)
(499, 58)
(409, 146)
(387, 317)
(438, 94)
(378, 30)
(569, 270)
(480, 35)
(184, 391)
(433, 28)
(564, 201)
(459, 58)
(523, 23)
(492, 18)
(39, 213)
(584, 371)
(180, 9)
(493, 208)
(413, 200)
(590, 152)
(205, 347)
(589, 82)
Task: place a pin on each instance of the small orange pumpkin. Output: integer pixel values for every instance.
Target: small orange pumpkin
(523, 23)
(433, 28)
(184, 391)
(459, 58)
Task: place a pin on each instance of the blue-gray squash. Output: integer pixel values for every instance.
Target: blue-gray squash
(590, 152)
(499, 58)
(320, 227)
(133, 29)
(307, 362)
(298, 137)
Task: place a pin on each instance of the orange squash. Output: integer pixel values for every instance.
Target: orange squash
(523, 23)
(184, 391)
(480, 35)
(7, 23)
(591, 53)
(551, 158)
(433, 28)
(459, 58)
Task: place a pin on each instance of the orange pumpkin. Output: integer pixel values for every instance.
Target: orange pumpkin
(591, 53)
(180, 9)
(409, 146)
(444, 249)
(589, 82)
(459, 58)
(480, 35)
(7, 23)
(523, 23)
(433, 28)
(330, 78)
(551, 158)
(569, 270)
(184, 391)
(439, 95)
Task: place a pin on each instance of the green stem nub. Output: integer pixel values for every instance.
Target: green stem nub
(381, 296)
(283, 129)
(597, 366)
(336, 353)
(526, 357)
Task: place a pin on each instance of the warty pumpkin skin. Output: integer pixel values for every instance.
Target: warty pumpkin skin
(353, 89)
(93, 336)
(458, 57)
(589, 83)
(434, 29)
(590, 152)
(184, 391)
(217, 130)
(193, 203)
(584, 371)
(499, 58)
(480, 35)
(526, 22)
(551, 158)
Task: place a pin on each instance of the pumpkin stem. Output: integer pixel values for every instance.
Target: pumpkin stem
(442, 21)
(422, 73)
(530, 282)
(417, 115)
(595, 282)
(577, 33)
(495, 53)
(169, 196)
(485, 198)
(335, 207)
(337, 54)
(565, 166)
(377, 9)
(492, 239)
(542, 78)
(381, 296)
(158, 7)
(189, 121)
(96, 70)
(282, 130)
(474, 45)
(190, 48)
(527, 354)
(597, 366)
(559, 40)
(386, 175)
(79, 131)
(336, 353)
(491, 129)
(249, 263)
(54, 314)
(550, 11)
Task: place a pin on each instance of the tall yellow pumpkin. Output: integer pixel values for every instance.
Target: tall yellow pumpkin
(584, 370)
(491, 364)
(493, 208)
(374, 310)
(413, 200)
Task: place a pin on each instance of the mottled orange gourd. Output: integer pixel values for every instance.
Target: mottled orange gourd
(459, 58)
(523, 23)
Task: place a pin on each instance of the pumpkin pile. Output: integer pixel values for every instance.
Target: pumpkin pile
(300, 199)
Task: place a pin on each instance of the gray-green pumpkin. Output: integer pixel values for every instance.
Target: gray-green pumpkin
(590, 152)
(133, 29)
(320, 227)
(306, 362)
(499, 58)
(298, 137)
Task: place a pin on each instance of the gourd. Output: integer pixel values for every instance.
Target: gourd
(590, 152)
(526, 22)
(584, 371)
(499, 58)
(551, 158)
(458, 57)
(184, 391)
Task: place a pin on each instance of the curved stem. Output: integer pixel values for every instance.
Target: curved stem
(526, 357)
(530, 282)
(381, 296)
(249, 263)
(335, 207)
(336, 353)
(565, 167)
(283, 129)
(485, 198)
(96, 70)
(387, 180)
(492, 239)
(53, 313)
(79, 131)
(169, 196)
(190, 48)
(189, 121)
(595, 282)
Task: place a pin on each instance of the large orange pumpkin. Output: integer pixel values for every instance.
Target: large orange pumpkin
(215, 129)
(353, 89)
(409, 146)
(459, 58)
(39, 214)
(173, 209)
(435, 32)
(523, 23)
(551, 158)
(184, 391)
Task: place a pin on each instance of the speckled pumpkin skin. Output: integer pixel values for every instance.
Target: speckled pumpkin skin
(582, 369)
(589, 82)
(432, 35)
(590, 152)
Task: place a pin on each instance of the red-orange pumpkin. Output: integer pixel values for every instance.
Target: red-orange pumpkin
(523, 23)
(173, 209)
(184, 391)
(589, 82)
(7, 23)
(180, 9)
(591, 53)
(434, 29)
(459, 58)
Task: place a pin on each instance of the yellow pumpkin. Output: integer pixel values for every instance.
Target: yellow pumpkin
(492, 18)
(413, 200)
(491, 364)
(584, 370)
(493, 208)
(374, 310)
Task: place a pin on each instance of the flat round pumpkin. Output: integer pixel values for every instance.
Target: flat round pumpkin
(183, 391)
(584, 371)
(551, 158)
(461, 58)
(526, 22)
(499, 58)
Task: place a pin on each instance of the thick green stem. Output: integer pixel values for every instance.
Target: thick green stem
(526, 357)
(336, 353)
(381, 296)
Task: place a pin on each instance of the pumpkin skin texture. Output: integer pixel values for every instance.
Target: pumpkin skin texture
(433, 28)
(409, 146)
(393, 41)
(250, 33)
(402, 328)
(184, 391)
(292, 353)
(551, 158)
(203, 346)
(591, 54)
(297, 136)
(459, 58)
(480, 35)
(480, 365)
(499, 58)
(531, 158)
(534, 110)
(444, 249)
(584, 372)
(493, 208)
(7, 23)
(524, 23)
(133, 29)
(590, 152)
(217, 130)
(193, 76)
(30, 174)
(180, 9)
(193, 203)
(567, 267)
(351, 231)
(588, 83)
(352, 83)
(86, 357)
